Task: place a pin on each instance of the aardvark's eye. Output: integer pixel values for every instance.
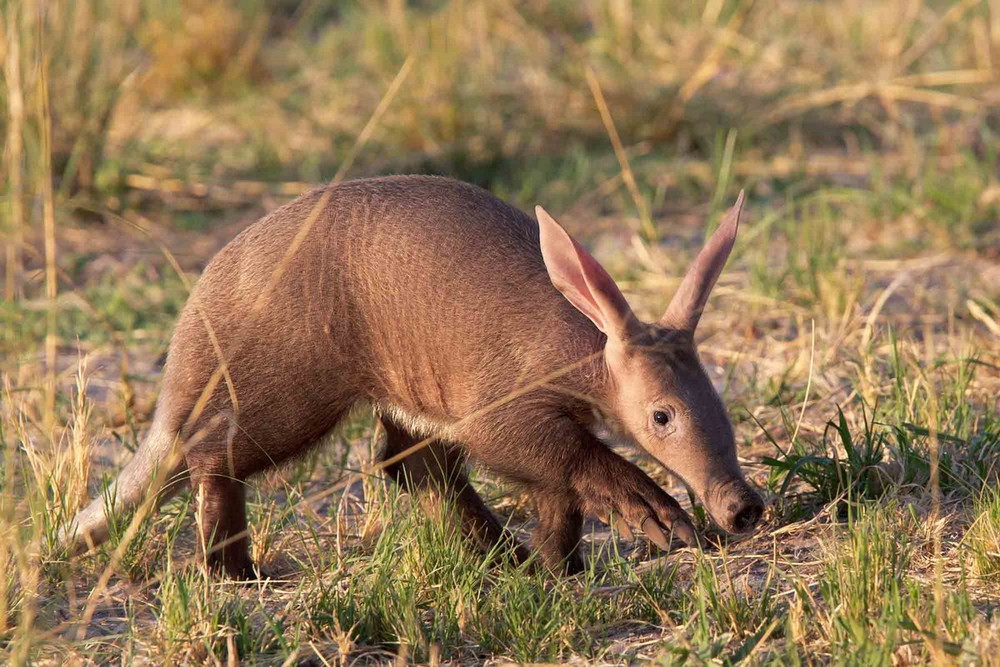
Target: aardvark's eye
(661, 417)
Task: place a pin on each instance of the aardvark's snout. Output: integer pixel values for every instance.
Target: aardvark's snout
(735, 506)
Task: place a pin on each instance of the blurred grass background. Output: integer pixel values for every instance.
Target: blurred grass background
(181, 101)
(858, 321)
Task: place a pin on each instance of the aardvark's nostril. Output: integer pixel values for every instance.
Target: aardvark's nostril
(747, 517)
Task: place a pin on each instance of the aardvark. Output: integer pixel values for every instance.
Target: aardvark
(466, 325)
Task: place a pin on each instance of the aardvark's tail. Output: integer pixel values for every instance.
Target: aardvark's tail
(136, 481)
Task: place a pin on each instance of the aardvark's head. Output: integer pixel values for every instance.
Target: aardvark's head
(660, 393)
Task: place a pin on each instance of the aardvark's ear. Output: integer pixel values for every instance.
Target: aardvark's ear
(581, 278)
(689, 301)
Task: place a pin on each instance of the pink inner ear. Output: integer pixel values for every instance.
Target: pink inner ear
(580, 277)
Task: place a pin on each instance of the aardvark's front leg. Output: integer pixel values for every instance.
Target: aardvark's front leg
(600, 482)
(605, 482)
(569, 473)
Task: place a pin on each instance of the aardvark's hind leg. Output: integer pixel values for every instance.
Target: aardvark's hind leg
(437, 470)
(224, 541)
